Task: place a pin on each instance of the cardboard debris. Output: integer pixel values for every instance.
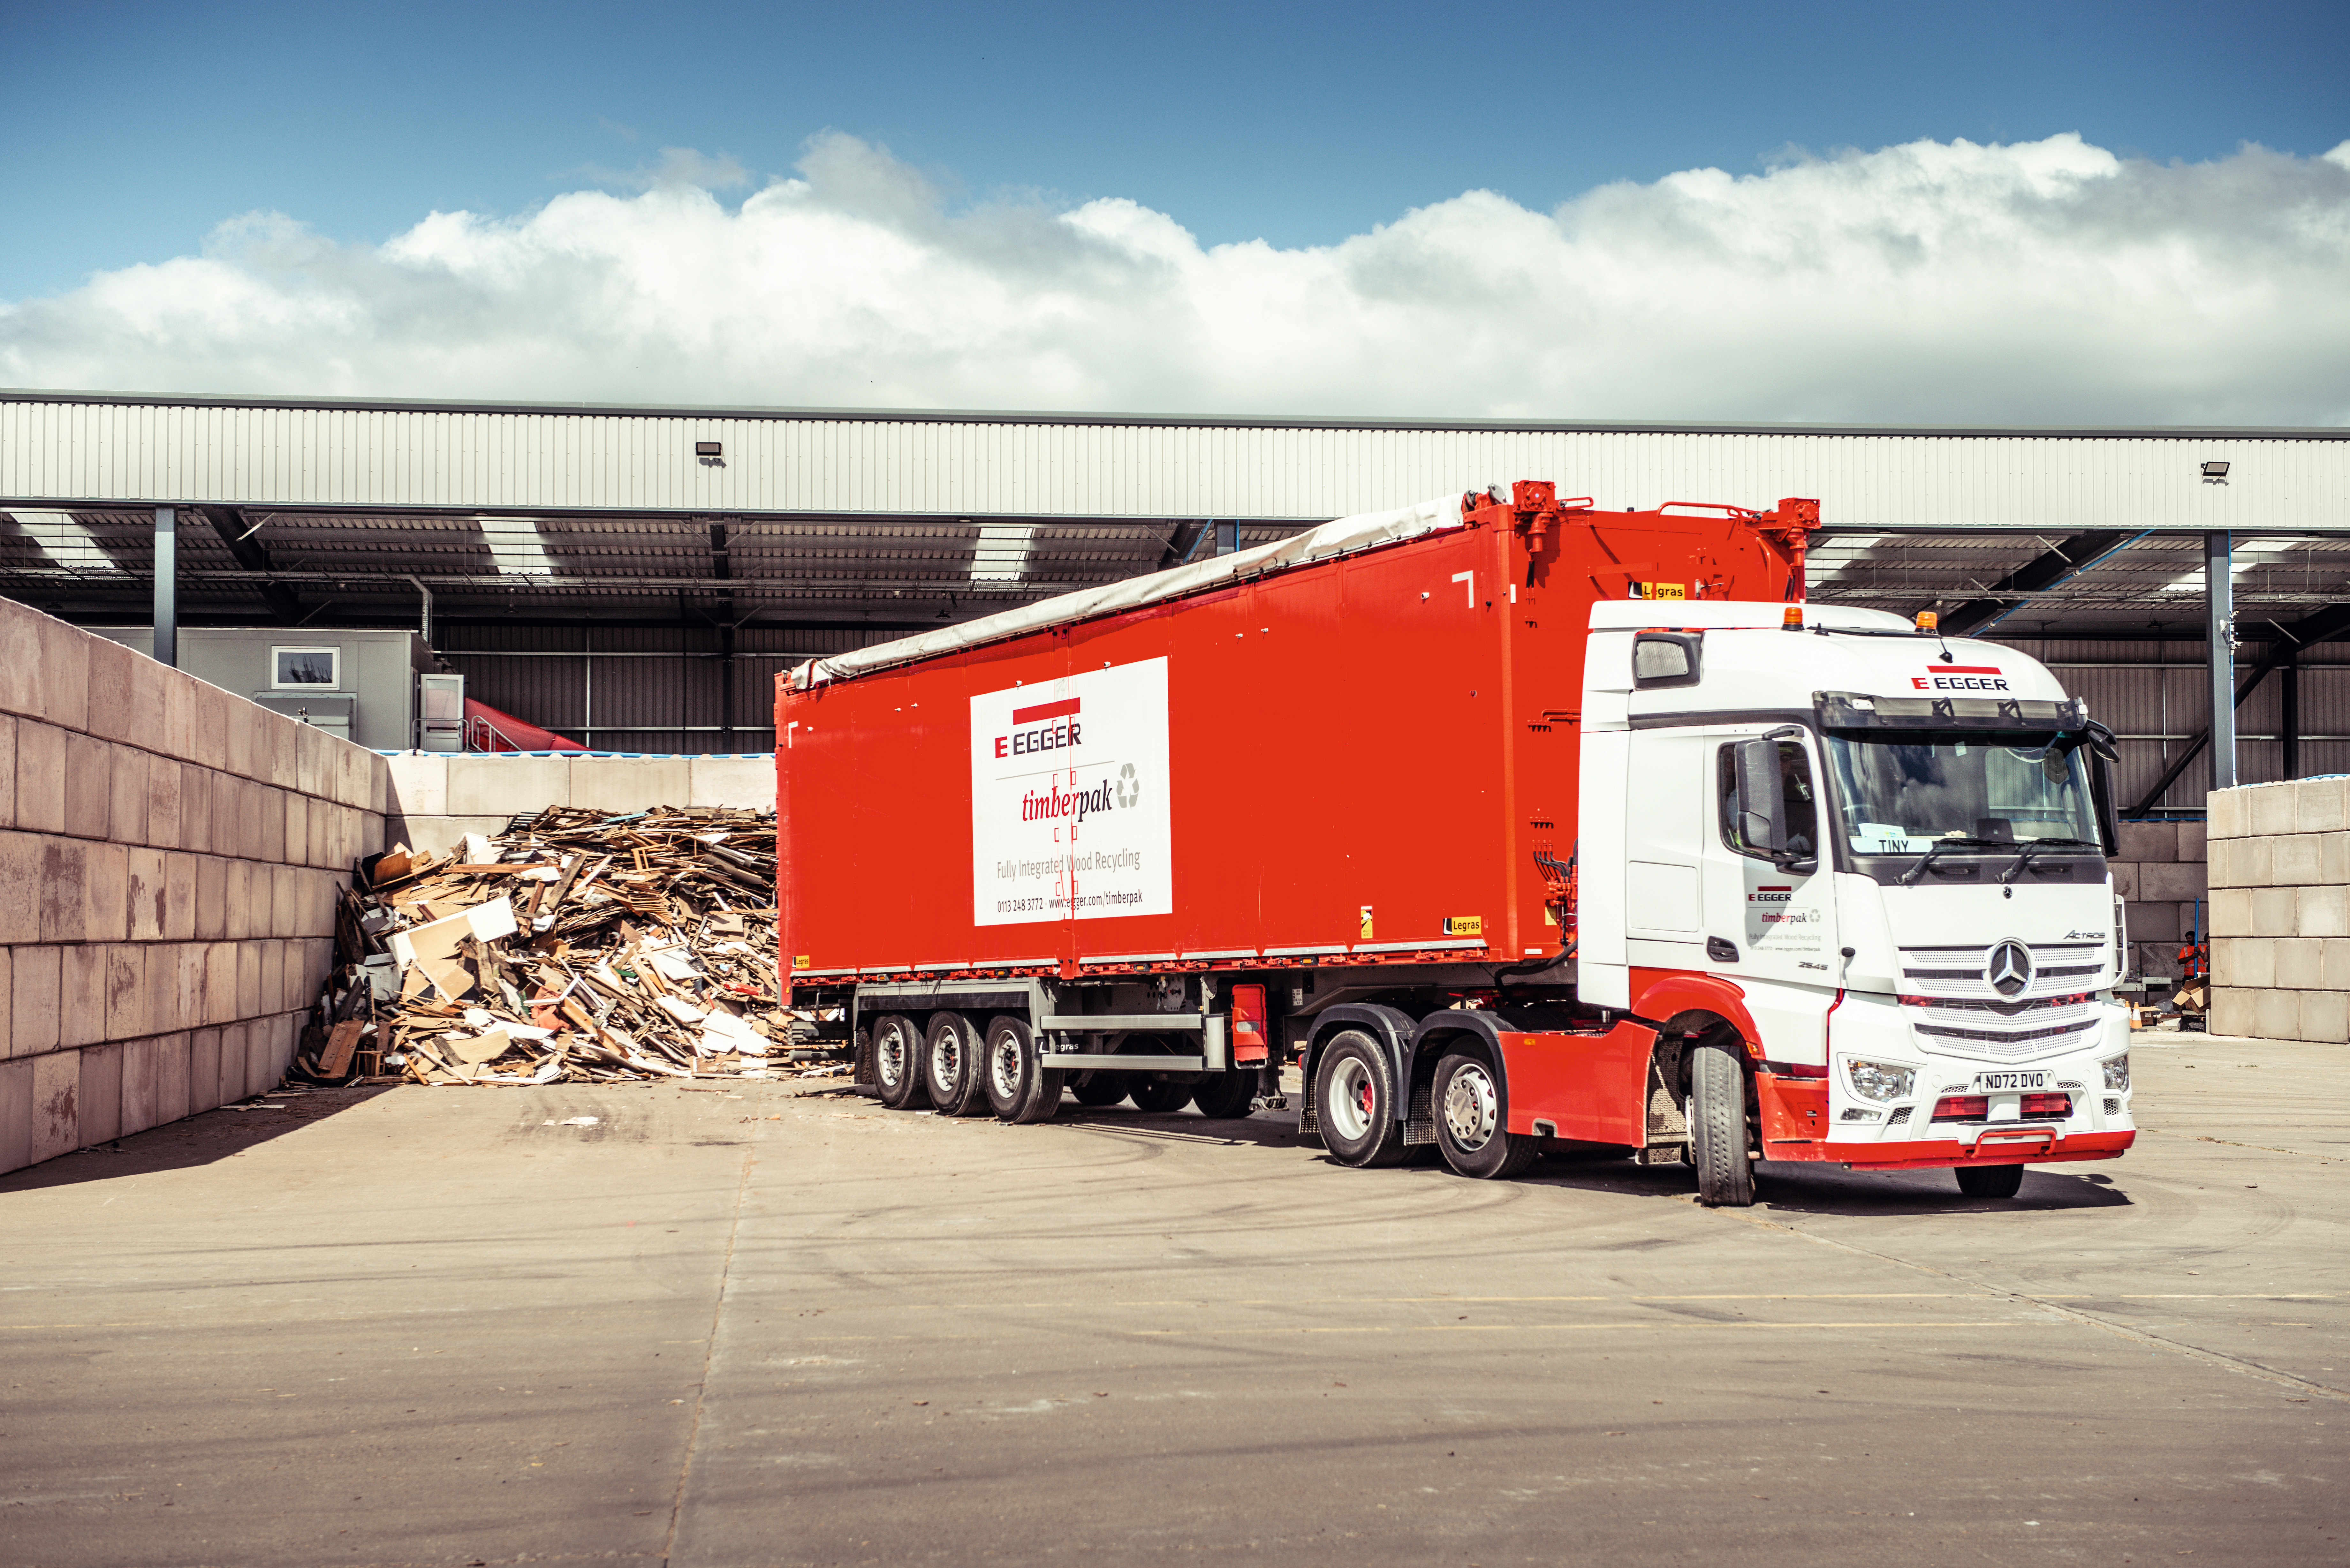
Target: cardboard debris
(575, 947)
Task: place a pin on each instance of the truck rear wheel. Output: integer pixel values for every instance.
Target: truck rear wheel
(1100, 1090)
(1018, 1088)
(1469, 1130)
(1990, 1180)
(950, 1066)
(898, 1062)
(1158, 1096)
(1226, 1095)
(1353, 1102)
(1725, 1177)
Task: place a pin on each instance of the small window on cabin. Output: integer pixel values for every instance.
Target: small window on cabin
(1664, 658)
(301, 668)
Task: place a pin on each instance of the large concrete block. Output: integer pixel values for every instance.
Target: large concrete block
(248, 980)
(64, 890)
(2159, 923)
(2300, 962)
(231, 1065)
(2125, 875)
(81, 1004)
(220, 983)
(181, 875)
(191, 965)
(630, 784)
(99, 1095)
(162, 802)
(64, 674)
(36, 999)
(2148, 841)
(57, 1105)
(2332, 857)
(2323, 911)
(21, 863)
(143, 894)
(8, 770)
(211, 899)
(20, 664)
(126, 811)
(204, 1070)
(90, 785)
(170, 1078)
(7, 983)
(2178, 882)
(2293, 859)
(130, 1004)
(237, 901)
(502, 785)
(2276, 1014)
(2324, 1016)
(2248, 961)
(138, 1088)
(2276, 912)
(313, 761)
(179, 717)
(2240, 862)
(2334, 963)
(106, 886)
(15, 1111)
(2192, 841)
(379, 800)
(208, 741)
(2320, 805)
(744, 781)
(269, 803)
(2230, 912)
(273, 976)
(228, 815)
(113, 713)
(238, 741)
(369, 827)
(40, 776)
(2224, 813)
(285, 755)
(2269, 809)
(195, 808)
(150, 683)
(297, 829)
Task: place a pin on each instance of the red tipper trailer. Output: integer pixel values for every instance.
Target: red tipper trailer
(1317, 799)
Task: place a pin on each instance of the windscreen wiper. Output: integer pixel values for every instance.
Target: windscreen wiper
(2024, 856)
(1943, 848)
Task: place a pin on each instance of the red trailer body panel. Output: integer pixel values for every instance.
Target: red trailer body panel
(1364, 760)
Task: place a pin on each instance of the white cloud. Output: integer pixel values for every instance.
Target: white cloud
(2045, 281)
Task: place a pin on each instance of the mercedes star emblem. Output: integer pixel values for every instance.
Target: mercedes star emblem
(2010, 970)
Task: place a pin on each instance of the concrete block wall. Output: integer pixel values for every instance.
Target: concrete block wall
(170, 856)
(2160, 876)
(2280, 910)
(438, 797)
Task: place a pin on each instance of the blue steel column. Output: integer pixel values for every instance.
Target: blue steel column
(2219, 655)
(167, 586)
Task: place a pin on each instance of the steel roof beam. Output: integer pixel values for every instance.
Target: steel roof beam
(253, 556)
(2045, 571)
(2324, 626)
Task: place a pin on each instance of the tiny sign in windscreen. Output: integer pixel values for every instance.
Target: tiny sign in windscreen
(1069, 798)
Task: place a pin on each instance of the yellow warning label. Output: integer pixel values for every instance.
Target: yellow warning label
(1660, 590)
(1366, 925)
(1550, 916)
(801, 961)
(1464, 925)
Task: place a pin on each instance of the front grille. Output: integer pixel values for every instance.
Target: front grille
(2019, 1039)
(2052, 1015)
(1902, 1114)
(2113, 1107)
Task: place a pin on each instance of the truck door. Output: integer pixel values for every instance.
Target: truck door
(1664, 806)
(1779, 922)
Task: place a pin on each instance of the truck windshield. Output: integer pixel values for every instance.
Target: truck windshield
(1903, 795)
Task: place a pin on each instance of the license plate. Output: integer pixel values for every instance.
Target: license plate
(2000, 1083)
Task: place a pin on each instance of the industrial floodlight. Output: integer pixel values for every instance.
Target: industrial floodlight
(718, 448)
(2215, 471)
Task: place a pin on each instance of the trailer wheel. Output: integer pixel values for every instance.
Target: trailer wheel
(898, 1062)
(1100, 1090)
(1469, 1130)
(1725, 1177)
(1018, 1088)
(1226, 1095)
(1990, 1180)
(1158, 1096)
(950, 1066)
(1352, 1102)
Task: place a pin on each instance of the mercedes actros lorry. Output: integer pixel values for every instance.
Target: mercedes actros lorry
(1518, 824)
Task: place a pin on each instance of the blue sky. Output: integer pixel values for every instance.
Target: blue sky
(130, 130)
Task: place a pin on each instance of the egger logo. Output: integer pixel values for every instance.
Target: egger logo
(1048, 733)
(1960, 677)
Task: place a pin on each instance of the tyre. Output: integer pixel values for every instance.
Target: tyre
(1354, 1101)
(860, 1054)
(1017, 1088)
(1226, 1095)
(1469, 1130)
(1157, 1097)
(1990, 1180)
(950, 1066)
(1100, 1090)
(1717, 1118)
(897, 1063)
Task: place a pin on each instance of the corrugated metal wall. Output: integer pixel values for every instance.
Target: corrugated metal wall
(86, 451)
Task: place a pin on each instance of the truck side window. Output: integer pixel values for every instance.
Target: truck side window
(1794, 781)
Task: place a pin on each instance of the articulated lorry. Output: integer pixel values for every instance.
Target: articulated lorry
(1520, 825)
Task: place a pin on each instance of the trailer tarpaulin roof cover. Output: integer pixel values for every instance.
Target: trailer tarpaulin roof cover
(1343, 536)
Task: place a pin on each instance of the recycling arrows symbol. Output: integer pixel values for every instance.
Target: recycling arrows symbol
(1129, 788)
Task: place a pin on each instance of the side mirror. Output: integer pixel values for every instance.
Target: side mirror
(1762, 807)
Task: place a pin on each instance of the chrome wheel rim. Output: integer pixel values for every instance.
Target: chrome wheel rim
(1352, 1095)
(889, 1058)
(946, 1060)
(1004, 1065)
(1471, 1108)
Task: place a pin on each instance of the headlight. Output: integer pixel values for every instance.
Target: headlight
(1880, 1080)
(2118, 1072)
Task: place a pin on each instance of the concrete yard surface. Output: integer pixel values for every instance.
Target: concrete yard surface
(743, 1324)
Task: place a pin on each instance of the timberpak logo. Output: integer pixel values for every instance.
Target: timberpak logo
(1076, 804)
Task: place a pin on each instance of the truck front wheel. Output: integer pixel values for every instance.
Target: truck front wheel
(898, 1062)
(1353, 1105)
(1469, 1130)
(1725, 1177)
(1990, 1180)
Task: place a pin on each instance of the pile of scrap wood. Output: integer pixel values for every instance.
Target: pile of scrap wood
(574, 947)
